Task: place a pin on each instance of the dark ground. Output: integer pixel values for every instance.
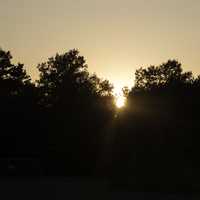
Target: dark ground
(60, 188)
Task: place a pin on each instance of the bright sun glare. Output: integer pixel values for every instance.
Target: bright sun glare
(120, 100)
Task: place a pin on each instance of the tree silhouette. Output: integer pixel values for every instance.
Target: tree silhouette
(168, 74)
(68, 73)
(12, 77)
(158, 129)
(66, 123)
(78, 103)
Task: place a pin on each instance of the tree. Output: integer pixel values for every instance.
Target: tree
(79, 106)
(67, 74)
(13, 78)
(166, 75)
(158, 136)
(20, 131)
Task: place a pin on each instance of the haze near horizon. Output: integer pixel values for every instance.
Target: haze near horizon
(115, 37)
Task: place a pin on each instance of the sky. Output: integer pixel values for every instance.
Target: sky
(115, 36)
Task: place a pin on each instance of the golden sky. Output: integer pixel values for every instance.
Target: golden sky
(115, 36)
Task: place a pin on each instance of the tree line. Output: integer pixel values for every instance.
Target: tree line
(66, 123)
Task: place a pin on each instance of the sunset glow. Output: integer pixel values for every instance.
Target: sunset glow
(133, 35)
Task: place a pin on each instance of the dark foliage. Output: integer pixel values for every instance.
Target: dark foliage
(157, 137)
(56, 125)
(66, 124)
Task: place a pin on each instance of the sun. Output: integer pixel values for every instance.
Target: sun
(120, 101)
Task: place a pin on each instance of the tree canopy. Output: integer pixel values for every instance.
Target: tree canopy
(66, 123)
(65, 77)
(169, 74)
(13, 78)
